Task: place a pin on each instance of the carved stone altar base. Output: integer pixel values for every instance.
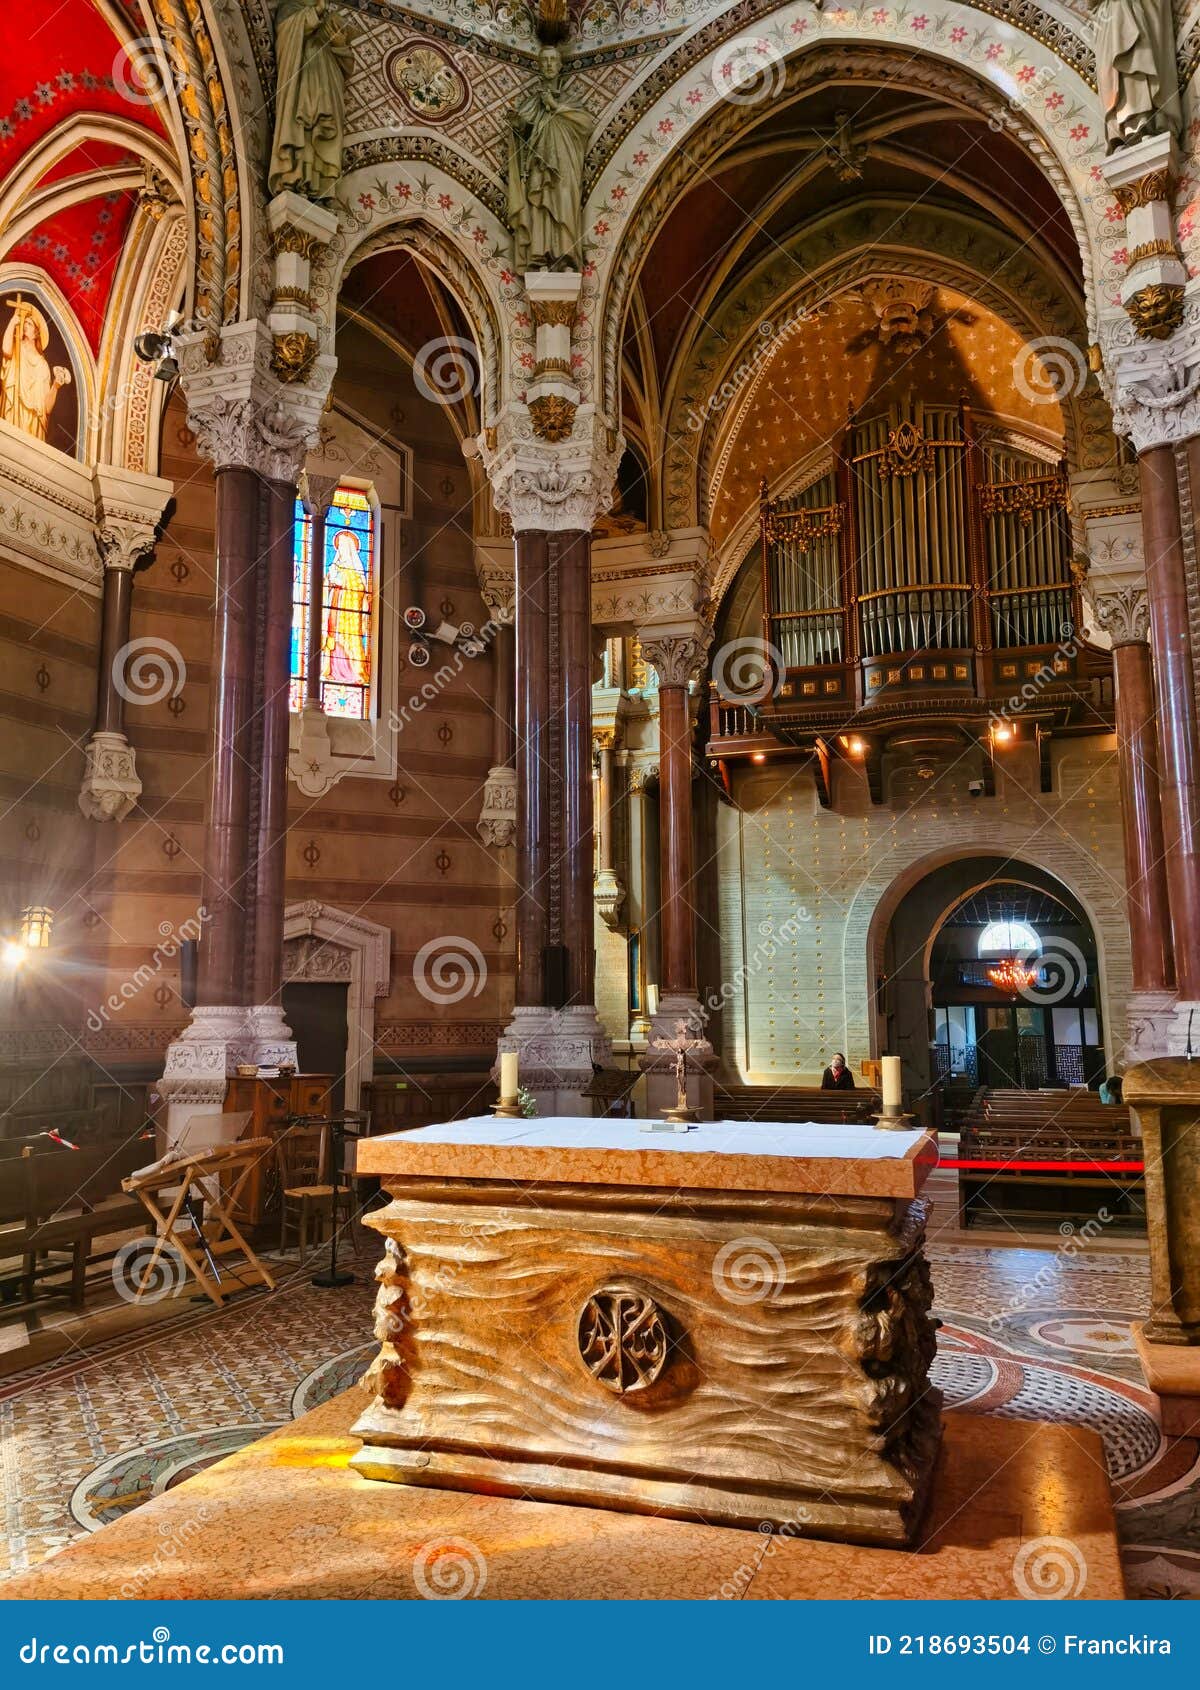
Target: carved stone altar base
(752, 1349)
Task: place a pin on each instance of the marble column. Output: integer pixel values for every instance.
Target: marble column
(111, 788)
(555, 1027)
(609, 893)
(256, 443)
(272, 728)
(677, 656)
(1175, 691)
(1124, 614)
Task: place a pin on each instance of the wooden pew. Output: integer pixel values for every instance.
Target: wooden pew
(55, 1202)
(1069, 1126)
(794, 1103)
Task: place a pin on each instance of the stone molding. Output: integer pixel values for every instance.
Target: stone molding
(323, 943)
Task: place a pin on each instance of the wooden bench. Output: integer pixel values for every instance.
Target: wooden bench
(56, 1202)
(1009, 1128)
(794, 1103)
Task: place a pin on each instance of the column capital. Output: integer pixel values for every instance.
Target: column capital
(677, 651)
(254, 406)
(552, 486)
(1122, 613)
(495, 565)
(316, 492)
(123, 545)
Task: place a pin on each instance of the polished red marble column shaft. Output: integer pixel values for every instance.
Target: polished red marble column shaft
(114, 635)
(533, 764)
(274, 675)
(574, 561)
(1146, 900)
(1178, 739)
(222, 973)
(503, 695)
(603, 818)
(677, 921)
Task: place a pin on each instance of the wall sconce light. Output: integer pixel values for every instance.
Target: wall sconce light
(853, 744)
(758, 756)
(1003, 733)
(36, 924)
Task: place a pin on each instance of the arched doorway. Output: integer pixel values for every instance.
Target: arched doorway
(991, 977)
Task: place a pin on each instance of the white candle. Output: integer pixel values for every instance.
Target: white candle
(508, 1075)
(652, 999)
(893, 1090)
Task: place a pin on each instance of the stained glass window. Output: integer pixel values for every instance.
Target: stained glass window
(346, 604)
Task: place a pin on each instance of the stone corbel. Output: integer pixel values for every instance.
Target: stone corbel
(497, 824)
(1142, 179)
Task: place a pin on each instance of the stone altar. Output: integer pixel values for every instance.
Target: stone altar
(729, 1325)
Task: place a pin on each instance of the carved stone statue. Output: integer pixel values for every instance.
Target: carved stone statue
(1135, 68)
(312, 60)
(548, 137)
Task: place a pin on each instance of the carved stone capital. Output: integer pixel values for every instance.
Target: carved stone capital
(554, 486)
(110, 787)
(123, 545)
(497, 824)
(245, 410)
(677, 656)
(1123, 614)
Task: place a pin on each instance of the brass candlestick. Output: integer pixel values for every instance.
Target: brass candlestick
(894, 1118)
(507, 1109)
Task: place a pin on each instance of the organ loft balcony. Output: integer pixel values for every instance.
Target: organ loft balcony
(917, 597)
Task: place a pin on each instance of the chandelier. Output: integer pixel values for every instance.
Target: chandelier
(1012, 975)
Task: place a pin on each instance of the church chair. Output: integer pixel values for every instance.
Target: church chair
(306, 1179)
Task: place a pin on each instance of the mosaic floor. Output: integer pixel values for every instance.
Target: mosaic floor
(1027, 1334)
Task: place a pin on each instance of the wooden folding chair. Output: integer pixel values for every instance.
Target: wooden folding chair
(220, 1171)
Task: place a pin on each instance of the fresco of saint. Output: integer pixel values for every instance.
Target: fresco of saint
(28, 386)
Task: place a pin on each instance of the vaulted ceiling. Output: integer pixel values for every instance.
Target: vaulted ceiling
(79, 113)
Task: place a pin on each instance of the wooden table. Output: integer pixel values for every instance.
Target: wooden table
(730, 1325)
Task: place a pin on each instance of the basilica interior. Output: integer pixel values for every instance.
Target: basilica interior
(603, 608)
